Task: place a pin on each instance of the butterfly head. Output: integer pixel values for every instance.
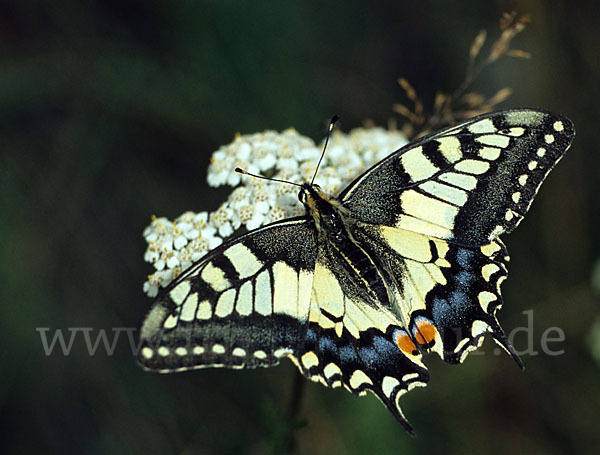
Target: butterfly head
(326, 211)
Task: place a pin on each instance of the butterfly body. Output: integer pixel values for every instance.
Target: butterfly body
(334, 225)
(406, 260)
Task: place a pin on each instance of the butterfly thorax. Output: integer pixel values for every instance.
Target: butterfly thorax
(334, 224)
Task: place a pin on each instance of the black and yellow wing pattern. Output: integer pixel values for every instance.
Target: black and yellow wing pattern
(406, 260)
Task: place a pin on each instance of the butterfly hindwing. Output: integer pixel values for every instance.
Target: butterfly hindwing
(356, 345)
(448, 294)
(373, 362)
(464, 309)
(467, 184)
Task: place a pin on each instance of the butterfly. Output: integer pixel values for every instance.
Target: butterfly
(405, 261)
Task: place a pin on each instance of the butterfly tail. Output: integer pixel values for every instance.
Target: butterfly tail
(502, 340)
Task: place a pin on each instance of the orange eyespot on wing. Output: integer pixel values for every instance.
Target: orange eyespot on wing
(424, 332)
(404, 342)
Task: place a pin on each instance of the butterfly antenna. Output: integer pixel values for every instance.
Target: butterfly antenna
(334, 119)
(243, 172)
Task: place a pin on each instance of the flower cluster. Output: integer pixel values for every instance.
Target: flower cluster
(175, 245)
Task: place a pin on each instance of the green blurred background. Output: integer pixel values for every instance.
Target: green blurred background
(109, 113)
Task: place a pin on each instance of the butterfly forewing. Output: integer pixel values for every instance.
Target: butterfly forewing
(467, 184)
(245, 304)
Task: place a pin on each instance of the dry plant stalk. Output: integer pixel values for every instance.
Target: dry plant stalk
(450, 108)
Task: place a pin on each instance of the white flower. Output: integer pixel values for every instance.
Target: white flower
(214, 242)
(152, 254)
(150, 287)
(251, 216)
(198, 248)
(180, 241)
(166, 243)
(173, 246)
(159, 264)
(218, 170)
(276, 214)
(239, 197)
(221, 220)
(263, 198)
(264, 158)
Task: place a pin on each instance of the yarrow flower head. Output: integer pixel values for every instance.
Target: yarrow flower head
(173, 246)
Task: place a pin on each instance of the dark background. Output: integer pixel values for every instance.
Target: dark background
(109, 113)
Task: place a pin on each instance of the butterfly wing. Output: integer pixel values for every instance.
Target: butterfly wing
(245, 304)
(467, 184)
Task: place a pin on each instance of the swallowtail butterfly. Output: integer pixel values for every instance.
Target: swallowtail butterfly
(406, 260)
